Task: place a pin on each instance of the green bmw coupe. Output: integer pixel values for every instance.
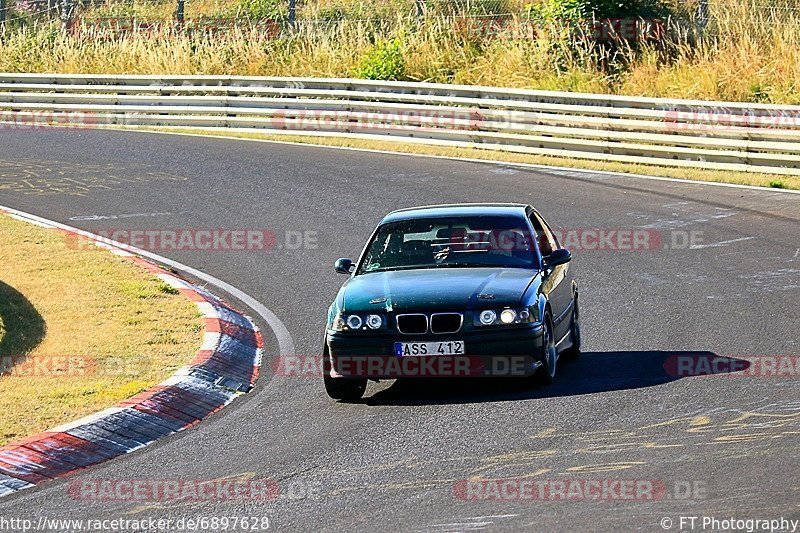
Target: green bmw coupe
(449, 291)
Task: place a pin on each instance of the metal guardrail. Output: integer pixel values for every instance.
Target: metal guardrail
(701, 134)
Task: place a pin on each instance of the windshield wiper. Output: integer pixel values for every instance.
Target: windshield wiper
(455, 265)
(439, 265)
(389, 269)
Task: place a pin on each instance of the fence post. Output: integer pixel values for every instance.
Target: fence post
(292, 13)
(67, 9)
(179, 12)
(702, 14)
(2, 11)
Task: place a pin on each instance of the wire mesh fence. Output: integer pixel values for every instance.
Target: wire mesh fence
(475, 18)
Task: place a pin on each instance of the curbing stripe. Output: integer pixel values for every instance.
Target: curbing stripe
(91, 434)
(225, 366)
(9, 485)
(33, 461)
(23, 472)
(80, 457)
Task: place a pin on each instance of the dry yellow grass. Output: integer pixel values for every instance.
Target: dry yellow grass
(123, 329)
(748, 54)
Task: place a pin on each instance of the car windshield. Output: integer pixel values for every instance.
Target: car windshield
(477, 241)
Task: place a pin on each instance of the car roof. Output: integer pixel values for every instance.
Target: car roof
(450, 210)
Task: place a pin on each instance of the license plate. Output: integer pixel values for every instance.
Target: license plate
(421, 349)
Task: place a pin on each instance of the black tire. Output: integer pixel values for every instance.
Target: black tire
(574, 351)
(547, 372)
(345, 389)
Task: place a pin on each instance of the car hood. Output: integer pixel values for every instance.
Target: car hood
(435, 289)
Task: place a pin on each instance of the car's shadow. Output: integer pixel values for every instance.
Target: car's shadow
(594, 372)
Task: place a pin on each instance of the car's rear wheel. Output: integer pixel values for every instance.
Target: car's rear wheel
(547, 372)
(574, 351)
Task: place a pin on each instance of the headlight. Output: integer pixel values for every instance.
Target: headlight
(338, 323)
(374, 321)
(508, 316)
(354, 322)
(345, 322)
(488, 317)
(504, 317)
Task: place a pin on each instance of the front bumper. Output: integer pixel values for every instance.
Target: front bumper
(499, 351)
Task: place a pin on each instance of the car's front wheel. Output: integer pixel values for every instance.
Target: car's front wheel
(345, 389)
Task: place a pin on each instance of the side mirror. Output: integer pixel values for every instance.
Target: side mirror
(558, 257)
(343, 265)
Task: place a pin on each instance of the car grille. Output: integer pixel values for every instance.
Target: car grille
(412, 324)
(446, 322)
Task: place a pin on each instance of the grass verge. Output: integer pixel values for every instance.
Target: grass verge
(749, 51)
(719, 176)
(80, 329)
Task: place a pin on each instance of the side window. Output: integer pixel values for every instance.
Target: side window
(547, 242)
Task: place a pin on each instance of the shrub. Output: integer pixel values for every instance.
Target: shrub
(371, 11)
(258, 10)
(471, 7)
(384, 61)
(561, 10)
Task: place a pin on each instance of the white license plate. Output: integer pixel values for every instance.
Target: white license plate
(421, 349)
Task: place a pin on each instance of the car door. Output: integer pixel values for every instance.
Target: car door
(557, 280)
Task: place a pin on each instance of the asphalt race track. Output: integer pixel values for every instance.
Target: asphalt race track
(722, 446)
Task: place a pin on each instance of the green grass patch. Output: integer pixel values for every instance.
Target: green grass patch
(122, 329)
